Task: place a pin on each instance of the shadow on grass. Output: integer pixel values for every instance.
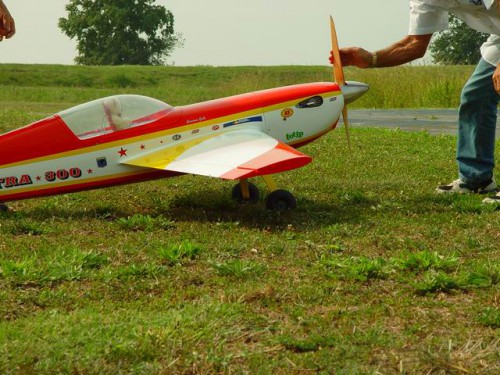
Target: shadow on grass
(200, 205)
(344, 207)
(215, 206)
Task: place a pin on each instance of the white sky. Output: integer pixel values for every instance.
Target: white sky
(227, 32)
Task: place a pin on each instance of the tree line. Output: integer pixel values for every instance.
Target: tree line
(120, 32)
(139, 32)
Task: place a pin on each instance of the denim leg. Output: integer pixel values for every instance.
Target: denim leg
(477, 125)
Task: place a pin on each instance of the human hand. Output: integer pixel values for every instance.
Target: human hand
(7, 24)
(354, 56)
(496, 79)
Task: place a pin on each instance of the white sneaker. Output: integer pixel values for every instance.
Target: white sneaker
(492, 200)
(460, 187)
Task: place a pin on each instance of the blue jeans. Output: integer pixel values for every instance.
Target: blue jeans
(476, 126)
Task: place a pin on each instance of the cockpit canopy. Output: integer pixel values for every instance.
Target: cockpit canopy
(113, 113)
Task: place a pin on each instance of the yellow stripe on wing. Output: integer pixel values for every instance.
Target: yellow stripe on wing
(159, 159)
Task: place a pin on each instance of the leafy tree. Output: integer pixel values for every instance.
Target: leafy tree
(117, 32)
(459, 45)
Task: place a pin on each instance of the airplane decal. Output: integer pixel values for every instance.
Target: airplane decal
(294, 135)
(11, 181)
(244, 121)
(287, 113)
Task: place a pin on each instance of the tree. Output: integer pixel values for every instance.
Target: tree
(117, 32)
(459, 45)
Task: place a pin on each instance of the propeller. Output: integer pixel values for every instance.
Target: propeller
(338, 76)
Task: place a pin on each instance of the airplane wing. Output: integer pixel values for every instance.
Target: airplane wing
(231, 155)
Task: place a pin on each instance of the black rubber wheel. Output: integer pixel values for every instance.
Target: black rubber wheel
(4, 207)
(281, 200)
(237, 195)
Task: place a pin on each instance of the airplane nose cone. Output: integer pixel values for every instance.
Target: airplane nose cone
(353, 90)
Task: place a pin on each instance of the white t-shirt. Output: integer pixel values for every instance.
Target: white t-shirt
(430, 16)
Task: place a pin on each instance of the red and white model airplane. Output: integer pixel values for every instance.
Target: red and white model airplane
(129, 138)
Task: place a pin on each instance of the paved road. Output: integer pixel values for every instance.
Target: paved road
(435, 121)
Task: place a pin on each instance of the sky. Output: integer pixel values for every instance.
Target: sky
(226, 32)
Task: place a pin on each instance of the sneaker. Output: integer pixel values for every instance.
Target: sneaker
(492, 200)
(460, 187)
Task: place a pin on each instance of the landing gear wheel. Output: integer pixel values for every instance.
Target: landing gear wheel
(281, 200)
(254, 194)
(4, 207)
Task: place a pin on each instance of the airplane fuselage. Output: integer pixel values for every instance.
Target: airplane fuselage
(48, 157)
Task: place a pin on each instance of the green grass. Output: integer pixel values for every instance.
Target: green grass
(372, 273)
(176, 254)
(57, 87)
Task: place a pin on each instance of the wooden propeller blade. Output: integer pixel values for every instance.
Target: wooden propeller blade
(338, 76)
(338, 72)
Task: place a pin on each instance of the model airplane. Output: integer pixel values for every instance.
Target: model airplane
(129, 138)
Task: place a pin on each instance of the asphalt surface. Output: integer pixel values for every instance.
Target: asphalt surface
(435, 121)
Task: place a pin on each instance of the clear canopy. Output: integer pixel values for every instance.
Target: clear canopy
(113, 113)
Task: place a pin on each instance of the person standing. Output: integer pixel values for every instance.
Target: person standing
(480, 96)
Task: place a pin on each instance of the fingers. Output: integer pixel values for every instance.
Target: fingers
(7, 25)
(354, 56)
(345, 57)
(10, 29)
(496, 79)
(496, 82)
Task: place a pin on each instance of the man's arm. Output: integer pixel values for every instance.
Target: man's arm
(408, 49)
(7, 24)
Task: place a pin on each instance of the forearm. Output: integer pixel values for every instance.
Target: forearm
(402, 52)
(408, 49)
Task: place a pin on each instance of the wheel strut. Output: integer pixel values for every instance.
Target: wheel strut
(271, 185)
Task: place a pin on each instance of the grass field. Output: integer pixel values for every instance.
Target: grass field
(372, 274)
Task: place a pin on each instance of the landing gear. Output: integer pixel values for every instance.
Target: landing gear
(278, 200)
(281, 200)
(245, 192)
(5, 208)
